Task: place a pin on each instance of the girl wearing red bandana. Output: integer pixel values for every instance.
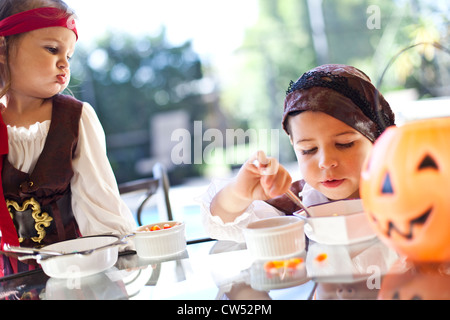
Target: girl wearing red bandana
(56, 178)
(330, 115)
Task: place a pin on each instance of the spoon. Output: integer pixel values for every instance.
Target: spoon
(267, 163)
(33, 251)
(298, 202)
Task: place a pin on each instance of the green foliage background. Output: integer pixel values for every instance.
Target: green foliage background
(129, 80)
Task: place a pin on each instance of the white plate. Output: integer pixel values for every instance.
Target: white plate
(337, 222)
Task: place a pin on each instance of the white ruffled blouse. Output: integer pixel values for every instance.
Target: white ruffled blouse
(96, 202)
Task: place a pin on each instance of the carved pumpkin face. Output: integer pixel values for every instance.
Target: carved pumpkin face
(405, 189)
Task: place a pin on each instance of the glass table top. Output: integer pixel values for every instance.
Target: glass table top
(223, 270)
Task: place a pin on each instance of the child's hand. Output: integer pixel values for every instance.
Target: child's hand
(262, 178)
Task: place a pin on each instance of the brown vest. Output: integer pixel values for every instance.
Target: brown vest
(40, 202)
(283, 203)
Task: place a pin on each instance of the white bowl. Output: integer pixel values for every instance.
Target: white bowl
(337, 222)
(275, 237)
(82, 256)
(160, 243)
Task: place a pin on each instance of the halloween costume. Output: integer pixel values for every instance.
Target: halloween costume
(57, 181)
(39, 201)
(72, 179)
(341, 91)
(15, 24)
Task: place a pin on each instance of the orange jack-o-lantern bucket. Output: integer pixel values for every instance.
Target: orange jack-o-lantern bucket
(405, 189)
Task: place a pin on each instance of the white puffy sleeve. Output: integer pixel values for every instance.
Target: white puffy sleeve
(96, 202)
(214, 225)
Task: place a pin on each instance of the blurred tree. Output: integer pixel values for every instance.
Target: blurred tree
(276, 50)
(292, 36)
(130, 80)
(401, 24)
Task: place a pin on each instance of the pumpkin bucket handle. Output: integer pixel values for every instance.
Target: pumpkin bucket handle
(389, 64)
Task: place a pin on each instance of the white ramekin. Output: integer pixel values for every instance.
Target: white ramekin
(275, 237)
(160, 243)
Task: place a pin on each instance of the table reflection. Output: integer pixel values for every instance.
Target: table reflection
(352, 271)
(225, 270)
(409, 281)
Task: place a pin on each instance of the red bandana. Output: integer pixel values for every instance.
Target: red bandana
(34, 19)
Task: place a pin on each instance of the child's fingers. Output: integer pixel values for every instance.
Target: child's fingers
(266, 165)
(270, 169)
(259, 160)
(262, 159)
(275, 185)
(271, 176)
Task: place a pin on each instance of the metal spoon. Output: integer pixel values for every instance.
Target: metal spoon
(298, 202)
(32, 252)
(289, 193)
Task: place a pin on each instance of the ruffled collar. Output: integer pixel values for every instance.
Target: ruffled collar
(311, 196)
(35, 131)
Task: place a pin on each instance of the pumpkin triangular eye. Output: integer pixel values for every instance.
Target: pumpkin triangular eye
(428, 162)
(387, 185)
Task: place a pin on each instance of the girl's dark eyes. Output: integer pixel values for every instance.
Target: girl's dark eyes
(54, 50)
(345, 145)
(338, 145)
(310, 151)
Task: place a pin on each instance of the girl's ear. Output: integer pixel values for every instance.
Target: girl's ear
(3, 50)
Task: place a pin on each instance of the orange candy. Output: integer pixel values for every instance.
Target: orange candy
(157, 227)
(279, 264)
(293, 263)
(321, 257)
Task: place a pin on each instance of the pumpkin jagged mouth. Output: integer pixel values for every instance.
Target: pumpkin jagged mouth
(420, 221)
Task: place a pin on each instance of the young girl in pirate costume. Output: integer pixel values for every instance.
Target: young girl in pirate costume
(56, 178)
(330, 115)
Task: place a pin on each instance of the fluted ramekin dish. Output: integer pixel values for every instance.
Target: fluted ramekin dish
(160, 243)
(275, 237)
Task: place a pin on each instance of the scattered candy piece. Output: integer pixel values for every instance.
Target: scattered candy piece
(167, 226)
(283, 268)
(293, 263)
(268, 266)
(321, 257)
